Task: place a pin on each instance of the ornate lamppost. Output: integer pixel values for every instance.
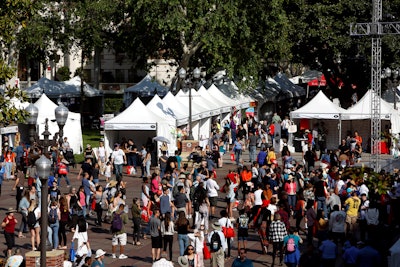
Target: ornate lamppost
(33, 115)
(61, 113)
(196, 77)
(43, 167)
(392, 76)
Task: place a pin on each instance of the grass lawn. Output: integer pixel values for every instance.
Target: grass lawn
(90, 136)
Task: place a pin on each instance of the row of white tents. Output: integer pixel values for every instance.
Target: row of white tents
(338, 120)
(162, 117)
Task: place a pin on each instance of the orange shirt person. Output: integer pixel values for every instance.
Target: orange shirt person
(358, 139)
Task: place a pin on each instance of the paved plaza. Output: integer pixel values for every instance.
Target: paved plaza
(137, 256)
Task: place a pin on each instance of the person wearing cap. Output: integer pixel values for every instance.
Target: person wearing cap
(99, 258)
(8, 225)
(118, 159)
(218, 257)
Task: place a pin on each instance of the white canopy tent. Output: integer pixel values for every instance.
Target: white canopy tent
(139, 123)
(321, 108)
(224, 107)
(362, 110)
(72, 128)
(179, 111)
(201, 113)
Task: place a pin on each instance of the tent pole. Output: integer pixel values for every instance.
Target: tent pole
(340, 129)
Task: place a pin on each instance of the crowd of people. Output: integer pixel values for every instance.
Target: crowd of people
(302, 214)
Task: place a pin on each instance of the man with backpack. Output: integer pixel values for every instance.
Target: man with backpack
(119, 219)
(217, 245)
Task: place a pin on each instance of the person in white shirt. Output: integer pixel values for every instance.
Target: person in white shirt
(197, 241)
(212, 193)
(118, 159)
(226, 222)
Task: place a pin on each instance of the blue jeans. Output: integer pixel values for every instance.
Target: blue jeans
(292, 201)
(118, 172)
(65, 178)
(322, 205)
(183, 243)
(53, 234)
(253, 153)
(148, 165)
(238, 153)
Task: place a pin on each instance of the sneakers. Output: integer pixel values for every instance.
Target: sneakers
(113, 256)
(122, 256)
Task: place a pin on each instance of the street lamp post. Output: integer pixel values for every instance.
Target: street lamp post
(43, 166)
(392, 74)
(61, 113)
(196, 76)
(33, 112)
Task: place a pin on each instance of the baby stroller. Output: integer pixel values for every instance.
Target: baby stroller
(69, 156)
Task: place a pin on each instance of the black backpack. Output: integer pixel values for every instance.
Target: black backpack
(31, 219)
(53, 216)
(215, 243)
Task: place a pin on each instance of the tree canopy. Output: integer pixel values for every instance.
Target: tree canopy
(248, 38)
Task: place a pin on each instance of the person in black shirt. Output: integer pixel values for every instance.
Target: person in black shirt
(86, 167)
(343, 147)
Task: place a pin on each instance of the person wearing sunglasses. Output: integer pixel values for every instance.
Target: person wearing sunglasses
(189, 258)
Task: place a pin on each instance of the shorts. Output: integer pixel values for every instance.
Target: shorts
(351, 219)
(213, 201)
(243, 233)
(119, 239)
(156, 242)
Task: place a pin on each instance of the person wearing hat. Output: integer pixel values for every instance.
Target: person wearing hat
(99, 258)
(217, 256)
(8, 225)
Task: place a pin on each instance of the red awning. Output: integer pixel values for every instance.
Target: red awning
(321, 81)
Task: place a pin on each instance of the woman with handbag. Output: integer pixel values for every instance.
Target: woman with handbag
(226, 223)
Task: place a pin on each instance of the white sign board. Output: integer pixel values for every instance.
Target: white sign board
(9, 129)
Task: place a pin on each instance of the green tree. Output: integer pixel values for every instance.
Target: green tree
(14, 16)
(233, 35)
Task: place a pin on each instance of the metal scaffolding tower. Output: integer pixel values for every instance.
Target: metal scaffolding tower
(376, 29)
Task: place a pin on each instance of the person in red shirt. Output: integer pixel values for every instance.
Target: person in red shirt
(8, 225)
